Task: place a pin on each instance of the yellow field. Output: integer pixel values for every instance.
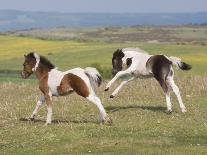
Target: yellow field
(67, 54)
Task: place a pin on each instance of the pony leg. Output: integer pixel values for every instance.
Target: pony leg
(38, 105)
(119, 74)
(120, 86)
(177, 93)
(169, 104)
(103, 115)
(165, 87)
(49, 110)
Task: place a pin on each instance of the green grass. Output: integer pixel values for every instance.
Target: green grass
(140, 124)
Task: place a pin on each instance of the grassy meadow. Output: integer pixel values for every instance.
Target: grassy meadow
(140, 124)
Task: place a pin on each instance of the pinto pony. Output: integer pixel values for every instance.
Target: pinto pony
(53, 82)
(136, 63)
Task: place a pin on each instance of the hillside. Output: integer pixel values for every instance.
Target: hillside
(16, 20)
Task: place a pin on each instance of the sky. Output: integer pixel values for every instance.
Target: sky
(106, 6)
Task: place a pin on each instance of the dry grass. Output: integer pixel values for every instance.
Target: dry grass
(141, 125)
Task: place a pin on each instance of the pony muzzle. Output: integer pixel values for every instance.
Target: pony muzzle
(25, 75)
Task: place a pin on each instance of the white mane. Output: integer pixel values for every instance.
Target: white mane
(37, 57)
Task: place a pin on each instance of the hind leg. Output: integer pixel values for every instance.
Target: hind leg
(84, 88)
(169, 104)
(103, 115)
(165, 88)
(177, 93)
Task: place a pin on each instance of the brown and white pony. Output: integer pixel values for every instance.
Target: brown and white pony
(53, 82)
(136, 63)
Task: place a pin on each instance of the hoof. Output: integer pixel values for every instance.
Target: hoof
(31, 118)
(107, 120)
(112, 96)
(169, 111)
(46, 124)
(106, 89)
(184, 110)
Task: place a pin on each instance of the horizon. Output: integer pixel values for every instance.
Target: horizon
(102, 12)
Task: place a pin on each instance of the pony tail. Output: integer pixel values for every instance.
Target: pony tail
(94, 75)
(182, 65)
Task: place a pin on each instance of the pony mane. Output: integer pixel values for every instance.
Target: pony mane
(43, 60)
(139, 50)
(118, 53)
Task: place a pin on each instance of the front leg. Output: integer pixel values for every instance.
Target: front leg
(49, 109)
(38, 105)
(120, 86)
(119, 74)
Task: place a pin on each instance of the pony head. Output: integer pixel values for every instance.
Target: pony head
(30, 64)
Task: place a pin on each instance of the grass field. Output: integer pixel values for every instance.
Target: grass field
(140, 124)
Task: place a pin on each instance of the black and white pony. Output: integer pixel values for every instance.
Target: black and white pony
(136, 63)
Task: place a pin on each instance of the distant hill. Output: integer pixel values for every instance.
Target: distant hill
(15, 20)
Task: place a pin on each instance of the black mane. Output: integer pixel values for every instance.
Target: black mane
(118, 55)
(43, 60)
(46, 62)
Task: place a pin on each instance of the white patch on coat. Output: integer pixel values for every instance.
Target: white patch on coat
(55, 77)
(139, 60)
(37, 57)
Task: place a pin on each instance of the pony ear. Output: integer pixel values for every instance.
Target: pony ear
(25, 56)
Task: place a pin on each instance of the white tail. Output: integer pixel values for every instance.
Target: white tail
(93, 75)
(179, 63)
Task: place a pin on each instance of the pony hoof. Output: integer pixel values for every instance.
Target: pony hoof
(46, 124)
(184, 110)
(107, 120)
(169, 111)
(106, 89)
(112, 96)
(31, 118)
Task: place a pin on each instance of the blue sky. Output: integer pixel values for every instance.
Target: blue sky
(112, 6)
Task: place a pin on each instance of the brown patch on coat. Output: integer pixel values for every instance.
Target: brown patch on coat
(65, 87)
(70, 83)
(43, 85)
(160, 66)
